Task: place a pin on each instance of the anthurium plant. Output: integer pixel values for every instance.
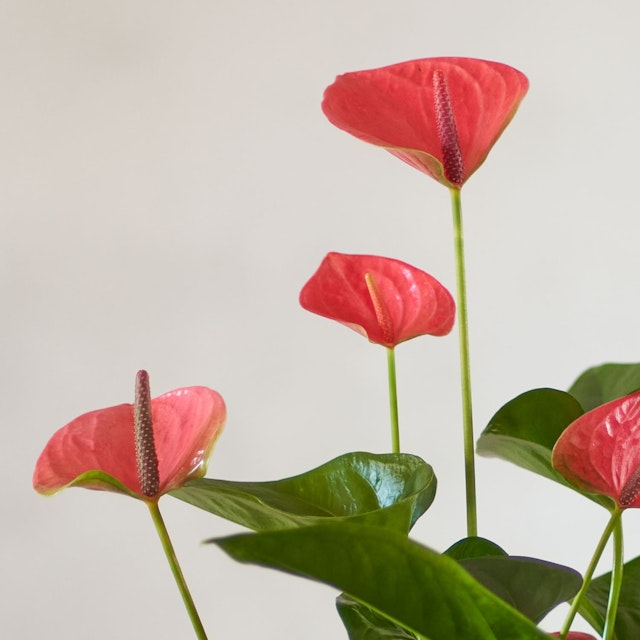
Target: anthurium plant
(347, 523)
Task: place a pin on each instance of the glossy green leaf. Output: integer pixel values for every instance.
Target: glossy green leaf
(363, 623)
(525, 430)
(533, 587)
(386, 490)
(420, 590)
(628, 618)
(607, 382)
(474, 547)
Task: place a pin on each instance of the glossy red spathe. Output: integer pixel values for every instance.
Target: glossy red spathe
(440, 115)
(386, 300)
(600, 451)
(575, 635)
(186, 424)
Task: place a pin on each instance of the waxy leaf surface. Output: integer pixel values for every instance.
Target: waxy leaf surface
(525, 430)
(533, 587)
(474, 547)
(420, 590)
(387, 490)
(594, 610)
(385, 300)
(607, 382)
(97, 450)
(397, 107)
(363, 623)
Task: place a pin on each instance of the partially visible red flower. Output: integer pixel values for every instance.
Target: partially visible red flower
(440, 115)
(574, 635)
(600, 451)
(186, 423)
(385, 300)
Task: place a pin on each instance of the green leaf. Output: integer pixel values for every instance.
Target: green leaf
(628, 618)
(363, 623)
(533, 587)
(525, 429)
(474, 547)
(386, 490)
(599, 385)
(420, 590)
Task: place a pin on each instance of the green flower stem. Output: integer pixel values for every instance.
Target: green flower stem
(616, 582)
(393, 400)
(586, 581)
(175, 569)
(465, 371)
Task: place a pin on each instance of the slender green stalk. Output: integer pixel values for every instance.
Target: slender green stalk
(393, 400)
(616, 582)
(175, 569)
(465, 371)
(586, 580)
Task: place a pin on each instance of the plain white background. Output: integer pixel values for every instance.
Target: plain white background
(167, 185)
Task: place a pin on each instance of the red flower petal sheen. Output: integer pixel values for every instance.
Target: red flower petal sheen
(385, 300)
(575, 635)
(186, 424)
(600, 451)
(440, 115)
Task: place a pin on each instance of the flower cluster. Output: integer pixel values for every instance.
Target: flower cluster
(346, 523)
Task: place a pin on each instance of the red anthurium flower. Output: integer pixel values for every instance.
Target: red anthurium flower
(385, 300)
(440, 115)
(575, 635)
(143, 450)
(600, 451)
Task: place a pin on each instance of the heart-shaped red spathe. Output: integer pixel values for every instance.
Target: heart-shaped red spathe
(395, 107)
(186, 424)
(600, 451)
(405, 302)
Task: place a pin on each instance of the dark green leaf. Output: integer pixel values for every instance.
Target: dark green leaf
(474, 547)
(628, 618)
(387, 490)
(363, 623)
(607, 382)
(525, 430)
(531, 586)
(420, 590)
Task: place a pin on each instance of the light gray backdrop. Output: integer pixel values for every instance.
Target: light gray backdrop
(167, 185)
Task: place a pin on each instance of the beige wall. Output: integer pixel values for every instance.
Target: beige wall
(168, 183)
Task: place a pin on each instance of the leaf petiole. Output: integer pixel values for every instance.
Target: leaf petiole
(616, 582)
(612, 525)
